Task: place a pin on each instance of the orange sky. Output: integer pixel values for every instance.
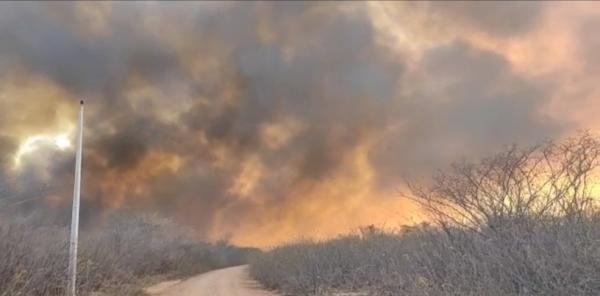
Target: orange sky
(267, 122)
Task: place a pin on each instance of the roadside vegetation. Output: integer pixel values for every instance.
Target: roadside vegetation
(115, 258)
(523, 222)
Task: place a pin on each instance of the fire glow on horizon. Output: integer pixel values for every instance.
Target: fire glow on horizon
(265, 122)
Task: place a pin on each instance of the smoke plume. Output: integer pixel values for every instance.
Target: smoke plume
(262, 122)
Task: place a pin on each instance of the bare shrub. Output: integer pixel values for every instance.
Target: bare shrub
(542, 182)
(524, 222)
(113, 257)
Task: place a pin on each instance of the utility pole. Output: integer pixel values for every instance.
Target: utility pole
(75, 213)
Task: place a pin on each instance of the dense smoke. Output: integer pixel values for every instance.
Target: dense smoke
(264, 122)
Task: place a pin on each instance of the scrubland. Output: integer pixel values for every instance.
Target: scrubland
(522, 222)
(115, 258)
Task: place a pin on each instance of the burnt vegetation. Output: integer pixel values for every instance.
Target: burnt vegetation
(523, 222)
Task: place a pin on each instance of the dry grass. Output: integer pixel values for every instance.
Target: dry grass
(523, 222)
(114, 258)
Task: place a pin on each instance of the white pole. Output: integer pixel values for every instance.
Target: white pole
(75, 213)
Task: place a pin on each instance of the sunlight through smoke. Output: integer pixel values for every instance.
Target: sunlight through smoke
(34, 143)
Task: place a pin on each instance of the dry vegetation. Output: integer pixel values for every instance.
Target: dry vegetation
(524, 222)
(114, 258)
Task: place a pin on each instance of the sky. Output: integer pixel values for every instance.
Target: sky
(266, 122)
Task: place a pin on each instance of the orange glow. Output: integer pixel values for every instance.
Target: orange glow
(263, 123)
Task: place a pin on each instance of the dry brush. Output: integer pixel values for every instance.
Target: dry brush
(523, 222)
(115, 258)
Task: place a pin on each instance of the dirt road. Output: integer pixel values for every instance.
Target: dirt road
(232, 281)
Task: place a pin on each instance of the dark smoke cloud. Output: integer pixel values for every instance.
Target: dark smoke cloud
(34, 36)
(473, 104)
(236, 117)
(124, 150)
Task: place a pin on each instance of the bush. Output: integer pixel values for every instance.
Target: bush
(524, 222)
(112, 257)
